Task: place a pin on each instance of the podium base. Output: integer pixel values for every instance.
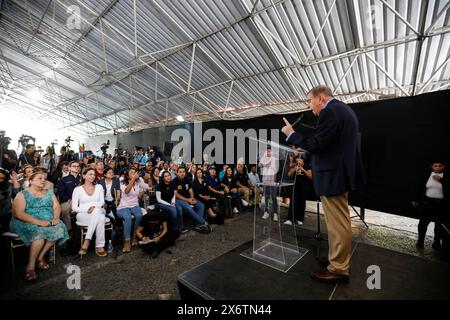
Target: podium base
(279, 255)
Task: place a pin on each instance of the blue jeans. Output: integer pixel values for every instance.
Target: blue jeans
(175, 215)
(271, 192)
(196, 212)
(125, 214)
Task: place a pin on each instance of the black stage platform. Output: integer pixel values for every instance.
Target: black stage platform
(232, 276)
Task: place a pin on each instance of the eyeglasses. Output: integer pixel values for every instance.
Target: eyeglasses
(75, 165)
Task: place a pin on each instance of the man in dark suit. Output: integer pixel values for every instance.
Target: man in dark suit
(335, 165)
(80, 155)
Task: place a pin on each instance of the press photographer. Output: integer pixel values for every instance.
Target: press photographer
(8, 158)
(27, 157)
(104, 149)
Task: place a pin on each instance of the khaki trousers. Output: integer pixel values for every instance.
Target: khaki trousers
(66, 209)
(245, 191)
(337, 218)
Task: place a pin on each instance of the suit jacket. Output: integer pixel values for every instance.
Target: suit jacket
(115, 186)
(334, 148)
(77, 156)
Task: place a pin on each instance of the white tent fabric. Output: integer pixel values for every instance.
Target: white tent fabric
(98, 66)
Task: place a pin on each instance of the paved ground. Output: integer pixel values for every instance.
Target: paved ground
(137, 276)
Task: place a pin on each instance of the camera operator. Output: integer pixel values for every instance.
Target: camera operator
(49, 160)
(28, 156)
(65, 156)
(104, 149)
(9, 157)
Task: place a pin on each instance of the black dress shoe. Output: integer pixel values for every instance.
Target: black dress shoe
(419, 245)
(326, 276)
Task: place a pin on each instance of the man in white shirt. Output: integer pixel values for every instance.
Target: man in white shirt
(431, 198)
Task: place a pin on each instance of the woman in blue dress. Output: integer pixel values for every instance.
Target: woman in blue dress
(36, 221)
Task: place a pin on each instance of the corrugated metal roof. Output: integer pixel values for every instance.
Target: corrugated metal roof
(134, 64)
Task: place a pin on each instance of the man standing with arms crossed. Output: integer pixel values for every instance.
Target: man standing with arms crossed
(336, 164)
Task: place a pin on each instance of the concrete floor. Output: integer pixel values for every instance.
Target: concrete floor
(136, 276)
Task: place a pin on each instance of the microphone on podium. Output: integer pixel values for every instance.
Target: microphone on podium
(299, 119)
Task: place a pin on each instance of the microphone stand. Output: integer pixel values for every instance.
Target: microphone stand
(318, 236)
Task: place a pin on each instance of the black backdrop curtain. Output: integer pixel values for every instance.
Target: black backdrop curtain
(399, 139)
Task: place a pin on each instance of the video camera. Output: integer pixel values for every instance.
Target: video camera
(105, 147)
(24, 140)
(68, 141)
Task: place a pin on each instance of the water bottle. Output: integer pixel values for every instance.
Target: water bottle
(109, 246)
(146, 201)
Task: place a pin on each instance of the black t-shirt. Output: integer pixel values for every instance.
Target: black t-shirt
(167, 191)
(230, 182)
(152, 224)
(155, 181)
(242, 178)
(182, 186)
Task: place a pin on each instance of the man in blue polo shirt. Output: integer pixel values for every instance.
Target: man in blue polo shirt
(65, 190)
(186, 201)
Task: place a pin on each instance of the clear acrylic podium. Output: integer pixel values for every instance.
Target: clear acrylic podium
(274, 243)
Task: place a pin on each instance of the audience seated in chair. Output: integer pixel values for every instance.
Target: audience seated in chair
(231, 190)
(166, 201)
(245, 187)
(36, 221)
(187, 202)
(202, 194)
(130, 187)
(88, 201)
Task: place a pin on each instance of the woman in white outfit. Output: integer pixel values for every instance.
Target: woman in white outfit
(88, 200)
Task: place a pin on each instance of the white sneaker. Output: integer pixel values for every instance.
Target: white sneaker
(265, 215)
(275, 217)
(299, 222)
(235, 210)
(244, 203)
(288, 222)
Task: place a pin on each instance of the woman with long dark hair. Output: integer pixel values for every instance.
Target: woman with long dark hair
(130, 187)
(88, 200)
(49, 160)
(154, 176)
(229, 182)
(201, 192)
(166, 201)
